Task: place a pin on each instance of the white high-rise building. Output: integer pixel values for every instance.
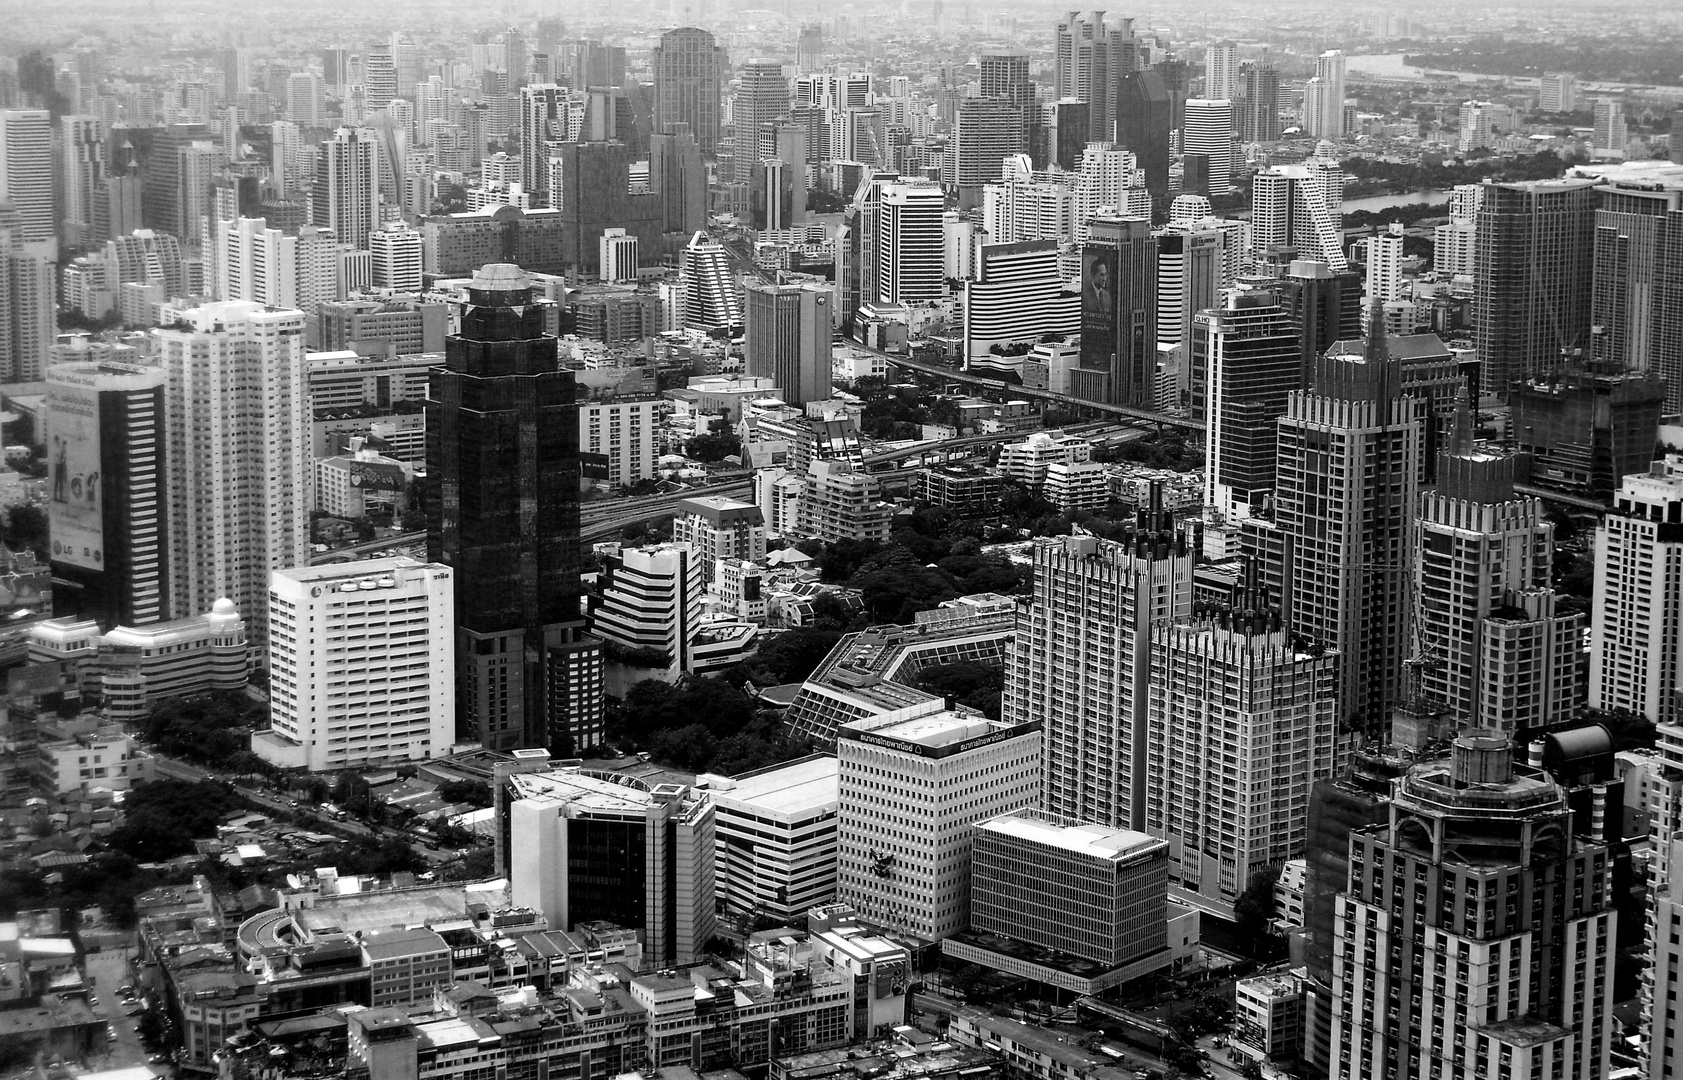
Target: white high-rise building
(286, 159)
(26, 171)
(1610, 134)
(1557, 93)
(82, 173)
(712, 299)
(362, 659)
(396, 258)
(1289, 207)
(1221, 71)
(1208, 130)
(306, 99)
(346, 194)
(237, 419)
(1017, 297)
(269, 267)
(910, 251)
(911, 783)
(623, 432)
(1635, 663)
(1109, 181)
(1384, 266)
(1323, 98)
(618, 255)
(1020, 208)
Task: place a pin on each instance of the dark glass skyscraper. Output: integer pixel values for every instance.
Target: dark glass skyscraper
(503, 512)
(1143, 121)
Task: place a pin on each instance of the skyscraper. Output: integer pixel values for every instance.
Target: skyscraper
(1634, 662)
(1109, 176)
(1081, 661)
(762, 96)
(1323, 98)
(1242, 719)
(1662, 1051)
(1535, 249)
(1091, 57)
(1496, 916)
(1061, 134)
(786, 337)
(502, 512)
(1209, 131)
(28, 313)
(108, 545)
(910, 254)
(1221, 71)
(988, 131)
(1245, 362)
(237, 420)
(1118, 313)
(1290, 208)
(711, 300)
(1257, 107)
(1143, 122)
(544, 119)
(26, 172)
(1017, 296)
(1349, 463)
(346, 195)
(1608, 136)
(1636, 292)
(1005, 76)
(82, 175)
(1325, 307)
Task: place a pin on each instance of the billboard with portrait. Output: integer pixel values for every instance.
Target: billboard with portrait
(75, 510)
(1100, 278)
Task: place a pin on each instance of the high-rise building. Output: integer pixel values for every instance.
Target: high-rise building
(1060, 134)
(1020, 207)
(1557, 93)
(1144, 120)
(648, 599)
(1110, 181)
(1535, 249)
(1257, 107)
(857, 244)
(335, 68)
(1476, 896)
(719, 528)
(379, 77)
(396, 258)
(987, 131)
(1091, 57)
(1242, 720)
(1348, 470)
(711, 299)
(786, 337)
(580, 847)
(362, 661)
(1638, 600)
(266, 265)
(1636, 291)
(26, 172)
(306, 99)
(1118, 313)
(910, 254)
(1221, 71)
(1290, 208)
(1323, 98)
(762, 97)
(689, 76)
(1005, 77)
(545, 118)
(346, 195)
(618, 256)
(1325, 307)
(1080, 662)
(82, 173)
(1483, 556)
(1017, 296)
(1208, 130)
(503, 469)
(1246, 363)
(1608, 135)
(1587, 430)
(776, 849)
(28, 311)
(911, 783)
(1189, 279)
(237, 421)
(1384, 257)
(842, 501)
(106, 508)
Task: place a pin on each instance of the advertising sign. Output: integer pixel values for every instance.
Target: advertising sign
(1099, 281)
(76, 516)
(377, 477)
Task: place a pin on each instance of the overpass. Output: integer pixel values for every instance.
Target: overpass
(967, 378)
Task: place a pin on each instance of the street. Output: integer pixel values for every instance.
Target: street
(106, 971)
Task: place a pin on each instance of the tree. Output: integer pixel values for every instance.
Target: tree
(975, 685)
(26, 528)
(162, 818)
(1254, 909)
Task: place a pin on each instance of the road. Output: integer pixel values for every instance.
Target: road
(106, 971)
(355, 551)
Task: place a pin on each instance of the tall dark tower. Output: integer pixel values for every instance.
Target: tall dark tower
(1143, 122)
(503, 512)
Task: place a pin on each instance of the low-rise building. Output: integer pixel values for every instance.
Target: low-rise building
(718, 528)
(1076, 486)
(105, 758)
(1026, 461)
(1268, 1018)
(776, 829)
(966, 490)
(406, 966)
(843, 502)
(362, 482)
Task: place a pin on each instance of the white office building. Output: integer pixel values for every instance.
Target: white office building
(618, 255)
(1635, 663)
(775, 853)
(396, 258)
(910, 244)
(911, 783)
(1209, 131)
(1291, 205)
(622, 433)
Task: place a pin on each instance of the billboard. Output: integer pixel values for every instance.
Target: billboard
(1100, 277)
(377, 477)
(76, 516)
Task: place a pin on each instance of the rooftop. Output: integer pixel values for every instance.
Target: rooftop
(337, 573)
(391, 944)
(795, 788)
(1093, 841)
(921, 729)
(603, 792)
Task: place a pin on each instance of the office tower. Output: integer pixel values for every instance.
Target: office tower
(1118, 313)
(1242, 720)
(502, 462)
(1500, 922)
(237, 417)
(1080, 662)
(580, 848)
(1325, 307)
(677, 174)
(710, 295)
(1290, 208)
(1110, 181)
(1257, 108)
(1637, 598)
(910, 784)
(159, 156)
(306, 103)
(618, 256)
(1144, 117)
(1245, 364)
(1636, 292)
(776, 828)
(1557, 93)
(82, 173)
(1177, 80)
(346, 196)
(786, 337)
(1189, 279)
(1323, 98)
(1221, 71)
(1587, 430)
(909, 244)
(1022, 208)
(28, 311)
(648, 600)
(689, 72)
(236, 73)
(1349, 463)
(1061, 134)
(1069, 887)
(26, 172)
(1005, 76)
(286, 160)
(1477, 126)
(1091, 57)
(1384, 256)
(396, 258)
(987, 132)
(1663, 794)
(120, 202)
(335, 68)
(1535, 249)
(1608, 135)
(591, 190)
(857, 243)
(1208, 130)
(762, 96)
(1017, 297)
(106, 482)
(778, 200)
(379, 78)
(544, 119)
(387, 628)
(516, 60)
(1483, 556)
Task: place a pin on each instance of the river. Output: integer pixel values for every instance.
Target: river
(1391, 66)
(1387, 202)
